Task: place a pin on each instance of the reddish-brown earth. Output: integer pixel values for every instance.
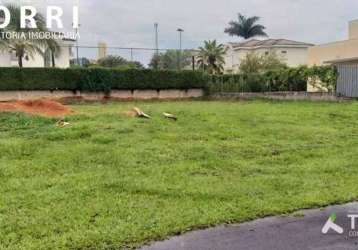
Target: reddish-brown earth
(38, 107)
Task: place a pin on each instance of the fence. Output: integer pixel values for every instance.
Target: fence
(347, 84)
(169, 59)
(271, 81)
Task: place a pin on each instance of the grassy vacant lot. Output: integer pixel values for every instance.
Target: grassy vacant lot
(109, 181)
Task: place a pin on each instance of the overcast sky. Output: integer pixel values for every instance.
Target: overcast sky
(129, 23)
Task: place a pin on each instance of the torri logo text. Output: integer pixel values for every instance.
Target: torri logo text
(27, 17)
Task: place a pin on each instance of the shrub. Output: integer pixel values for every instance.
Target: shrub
(284, 79)
(97, 79)
(102, 79)
(255, 63)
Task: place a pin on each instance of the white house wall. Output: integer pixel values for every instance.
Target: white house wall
(37, 61)
(5, 59)
(293, 58)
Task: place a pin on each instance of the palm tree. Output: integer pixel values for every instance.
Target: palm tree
(211, 57)
(54, 48)
(246, 27)
(26, 46)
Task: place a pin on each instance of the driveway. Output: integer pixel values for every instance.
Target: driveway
(274, 233)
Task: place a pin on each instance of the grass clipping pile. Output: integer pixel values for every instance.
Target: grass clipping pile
(37, 107)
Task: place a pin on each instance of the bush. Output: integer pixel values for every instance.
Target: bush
(284, 79)
(97, 79)
(101, 79)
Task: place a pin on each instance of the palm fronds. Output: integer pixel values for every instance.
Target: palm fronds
(246, 27)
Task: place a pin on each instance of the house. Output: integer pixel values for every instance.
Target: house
(343, 54)
(293, 53)
(336, 52)
(9, 59)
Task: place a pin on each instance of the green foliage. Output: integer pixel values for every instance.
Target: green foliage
(97, 79)
(211, 57)
(102, 79)
(83, 61)
(255, 63)
(282, 79)
(246, 27)
(118, 62)
(171, 60)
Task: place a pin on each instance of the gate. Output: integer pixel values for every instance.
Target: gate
(347, 84)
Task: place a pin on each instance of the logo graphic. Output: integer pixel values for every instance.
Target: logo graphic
(331, 225)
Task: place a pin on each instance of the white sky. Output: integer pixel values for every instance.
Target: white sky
(129, 23)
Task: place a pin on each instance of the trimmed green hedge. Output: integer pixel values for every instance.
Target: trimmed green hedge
(97, 79)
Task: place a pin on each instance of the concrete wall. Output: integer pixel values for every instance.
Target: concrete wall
(353, 29)
(317, 55)
(293, 57)
(283, 96)
(97, 96)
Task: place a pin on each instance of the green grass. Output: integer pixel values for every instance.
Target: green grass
(110, 182)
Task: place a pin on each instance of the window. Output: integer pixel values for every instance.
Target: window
(284, 52)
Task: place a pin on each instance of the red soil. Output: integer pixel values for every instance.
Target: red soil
(37, 107)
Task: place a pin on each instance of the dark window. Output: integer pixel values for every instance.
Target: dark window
(284, 52)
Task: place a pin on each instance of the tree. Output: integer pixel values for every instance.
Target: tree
(83, 61)
(211, 57)
(119, 63)
(54, 48)
(246, 27)
(112, 61)
(26, 46)
(255, 63)
(171, 60)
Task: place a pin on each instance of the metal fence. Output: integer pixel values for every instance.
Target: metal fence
(347, 84)
(172, 59)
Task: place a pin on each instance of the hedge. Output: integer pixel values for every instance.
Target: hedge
(286, 79)
(97, 79)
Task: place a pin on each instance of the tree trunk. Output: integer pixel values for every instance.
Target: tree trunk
(53, 60)
(20, 61)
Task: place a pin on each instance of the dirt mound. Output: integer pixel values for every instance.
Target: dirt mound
(38, 107)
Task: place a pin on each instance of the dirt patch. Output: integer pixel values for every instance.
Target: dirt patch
(38, 107)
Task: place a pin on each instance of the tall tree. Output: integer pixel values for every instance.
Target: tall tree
(211, 57)
(246, 27)
(25, 46)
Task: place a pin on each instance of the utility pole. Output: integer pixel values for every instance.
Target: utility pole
(77, 47)
(180, 47)
(156, 38)
(180, 38)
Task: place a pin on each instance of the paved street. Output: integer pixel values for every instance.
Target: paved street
(274, 233)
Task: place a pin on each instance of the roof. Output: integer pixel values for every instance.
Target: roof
(254, 43)
(344, 60)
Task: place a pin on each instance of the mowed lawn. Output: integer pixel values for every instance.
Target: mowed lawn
(109, 181)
